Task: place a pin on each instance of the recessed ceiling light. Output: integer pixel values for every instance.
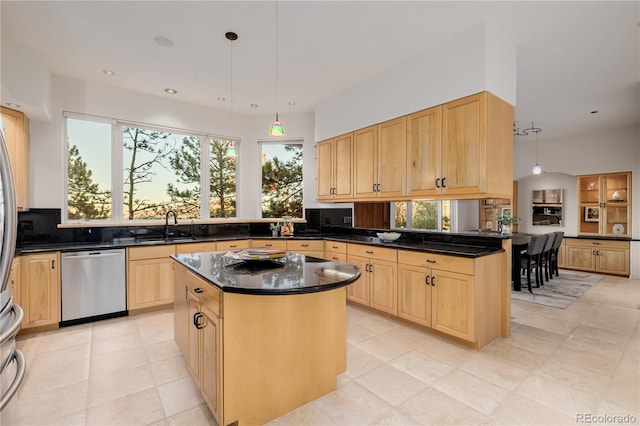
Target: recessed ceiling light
(222, 99)
(109, 72)
(594, 111)
(12, 105)
(171, 91)
(291, 103)
(163, 41)
(254, 105)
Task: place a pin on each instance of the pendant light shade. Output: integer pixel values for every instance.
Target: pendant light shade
(537, 169)
(276, 128)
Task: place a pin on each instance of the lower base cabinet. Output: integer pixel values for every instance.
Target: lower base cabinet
(376, 286)
(149, 276)
(603, 256)
(40, 289)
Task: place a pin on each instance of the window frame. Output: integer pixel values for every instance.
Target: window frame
(288, 141)
(117, 179)
(453, 220)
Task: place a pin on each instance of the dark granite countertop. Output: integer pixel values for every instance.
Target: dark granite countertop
(291, 274)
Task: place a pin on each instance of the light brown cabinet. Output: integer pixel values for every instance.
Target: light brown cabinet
(195, 247)
(489, 209)
(16, 128)
(605, 204)
(379, 160)
(270, 244)
(336, 251)
(335, 165)
(40, 289)
(424, 152)
(14, 280)
(604, 256)
(377, 285)
(233, 245)
(149, 276)
(313, 248)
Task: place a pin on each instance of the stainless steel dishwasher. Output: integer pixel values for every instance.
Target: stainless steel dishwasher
(93, 285)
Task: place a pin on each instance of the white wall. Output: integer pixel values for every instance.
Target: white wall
(47, 139)
(470, 62)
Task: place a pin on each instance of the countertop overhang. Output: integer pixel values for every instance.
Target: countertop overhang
(292, 274)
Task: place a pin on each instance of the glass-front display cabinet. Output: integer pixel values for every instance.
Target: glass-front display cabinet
(605, 204)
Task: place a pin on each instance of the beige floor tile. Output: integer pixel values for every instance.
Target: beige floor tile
(422, 366)
(432, 407)
(557, 395)
(161, 350)
(116, 384)
(504, 351)
(51, 379)
(572, 375)
(447, 352)
(589, 361)
(611, 409)
(309, 414)
(115, 344)
(118, 360)
(614, 318)
(624, 387)
(352, 404)
(385, 346)
(179, 395)
(140, 408)
(114, 327)
(62, 357)
(359, 362)
(200, 415)
(494, 370)
(65, 337)
(78, 418)
(65, 401)
(390, 384)
(531, 343)
(357, 333)
(540, 333)
(473, 391)
(155, 333)
(378, 323)
(169, 369)
(518, 410)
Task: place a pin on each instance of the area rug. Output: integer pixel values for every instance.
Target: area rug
(560, 292)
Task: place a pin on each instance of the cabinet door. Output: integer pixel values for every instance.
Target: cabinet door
(343, 167)
(14, 280)
(392, 158)
(16, 127)
(383, 287)
(414, 294)
(463, 148)
(358, 291)
(180, 315)
(149, 283)
(211, 357)
(193, 337)
(324, 153)
(612, 261)
(424, 144)
(615, 195)
(40, 288)
(269, 244)
(365, 154)
(452, 297)
(582, 258)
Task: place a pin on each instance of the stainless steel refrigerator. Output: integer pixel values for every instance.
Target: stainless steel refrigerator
(12, 363)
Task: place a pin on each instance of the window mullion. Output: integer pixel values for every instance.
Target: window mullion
(205, 170)
(117, 173)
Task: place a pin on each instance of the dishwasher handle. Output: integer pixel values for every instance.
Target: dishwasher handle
(90, 256)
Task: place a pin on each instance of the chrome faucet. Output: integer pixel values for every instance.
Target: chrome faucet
(166, 222)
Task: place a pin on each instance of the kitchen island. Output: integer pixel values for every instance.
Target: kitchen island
(260, 337)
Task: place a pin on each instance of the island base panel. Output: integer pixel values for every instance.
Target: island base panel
(280, 352)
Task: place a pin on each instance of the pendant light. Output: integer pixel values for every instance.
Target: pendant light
(537, 169)
(276, 128)
(231, 36)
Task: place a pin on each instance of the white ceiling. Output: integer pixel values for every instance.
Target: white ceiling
(573, 57)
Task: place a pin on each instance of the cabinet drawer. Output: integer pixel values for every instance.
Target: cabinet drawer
(232, 245)
(195, 247)
(151, 252)
(335, 247)
(373, 252)
(574, 242)
(336, 257)
(206, 293)
(436, 261)
(305, 245)
(270, 244)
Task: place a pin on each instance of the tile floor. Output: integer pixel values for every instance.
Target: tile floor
(557, 364)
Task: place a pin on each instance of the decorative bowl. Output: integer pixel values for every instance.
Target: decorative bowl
(388, 237)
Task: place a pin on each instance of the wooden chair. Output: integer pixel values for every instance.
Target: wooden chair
(532, 258)
(553, 258)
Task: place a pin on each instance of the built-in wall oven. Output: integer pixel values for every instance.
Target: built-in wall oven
(93, 285)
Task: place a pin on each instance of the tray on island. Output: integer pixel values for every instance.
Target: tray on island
(255, 254)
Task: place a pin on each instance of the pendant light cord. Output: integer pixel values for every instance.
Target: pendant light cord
(277, 79)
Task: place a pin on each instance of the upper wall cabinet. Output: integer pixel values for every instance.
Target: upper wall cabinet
(461, 149)
(605, 204)
(16, 128)
(335, 165)
(379, 160)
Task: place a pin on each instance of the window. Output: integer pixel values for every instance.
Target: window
(427, 215)
(153, 169)
(281, 179)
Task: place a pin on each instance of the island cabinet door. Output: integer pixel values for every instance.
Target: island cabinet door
(452, 298)
(211, 361)
(193, 337)
(414, 294)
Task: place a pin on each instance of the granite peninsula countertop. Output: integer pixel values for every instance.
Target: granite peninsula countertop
(292, 274)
